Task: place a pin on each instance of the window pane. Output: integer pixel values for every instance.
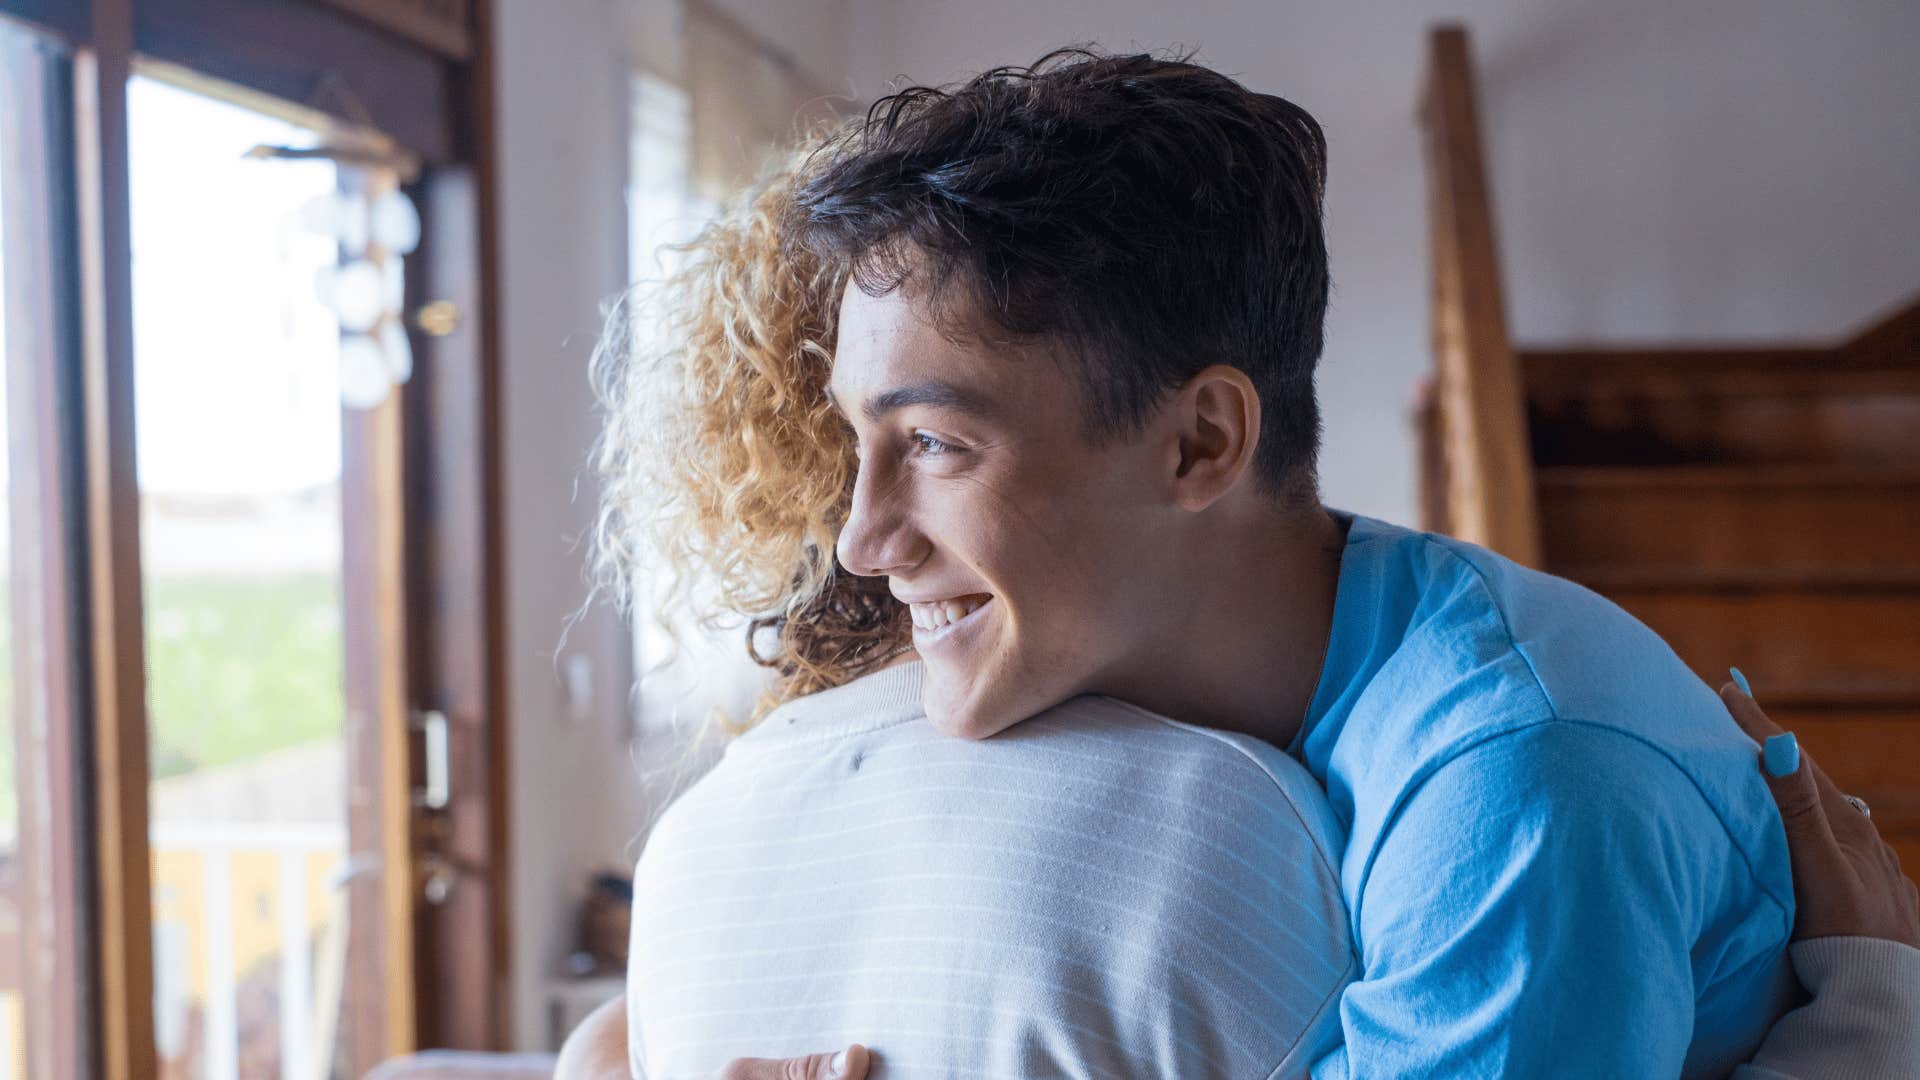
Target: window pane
(238, 425)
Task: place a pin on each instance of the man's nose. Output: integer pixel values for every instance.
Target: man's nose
(879, 538)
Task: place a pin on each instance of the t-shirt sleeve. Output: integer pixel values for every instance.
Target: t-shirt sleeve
(1529, 912)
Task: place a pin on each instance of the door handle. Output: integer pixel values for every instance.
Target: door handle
(437, 791)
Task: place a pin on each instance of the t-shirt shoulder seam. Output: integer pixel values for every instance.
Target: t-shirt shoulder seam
(1499, 611)
(1221, 739)
(1553, 711)
(1746, 858)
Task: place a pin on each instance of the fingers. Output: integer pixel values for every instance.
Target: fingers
(848, 1064)
(1747, 713)
(1839, 815)
(1802, 792)
(855, 1065)
(1802, 810)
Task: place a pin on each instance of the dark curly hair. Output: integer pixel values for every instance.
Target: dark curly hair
(1146, 216)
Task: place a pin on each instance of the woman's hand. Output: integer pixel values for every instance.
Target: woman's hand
(848, 1064)
(597, 1050)
(1846, 880)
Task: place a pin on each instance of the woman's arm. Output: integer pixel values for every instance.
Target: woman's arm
(1856, 944)
(597, 1049)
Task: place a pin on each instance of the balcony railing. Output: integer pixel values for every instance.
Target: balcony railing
(235, 904)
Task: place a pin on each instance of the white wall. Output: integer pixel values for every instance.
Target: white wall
(574, 802)
(1703, 170)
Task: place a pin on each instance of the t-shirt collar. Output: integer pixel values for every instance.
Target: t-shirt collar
(1353, 618)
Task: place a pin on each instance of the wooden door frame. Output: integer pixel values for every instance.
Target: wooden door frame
(53, 951)
(380, 780)
(452, 454)
(124, 942)
(429, 88)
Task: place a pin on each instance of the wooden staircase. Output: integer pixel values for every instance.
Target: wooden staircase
(1758, 507)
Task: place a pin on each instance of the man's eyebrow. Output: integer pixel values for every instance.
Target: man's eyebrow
(932, 392)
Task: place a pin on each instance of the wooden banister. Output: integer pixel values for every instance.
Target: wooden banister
(1479, 417)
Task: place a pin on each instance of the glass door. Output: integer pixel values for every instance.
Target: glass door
(241, 544)
(268, 284)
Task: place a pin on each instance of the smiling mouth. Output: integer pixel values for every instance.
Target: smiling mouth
(935, 621)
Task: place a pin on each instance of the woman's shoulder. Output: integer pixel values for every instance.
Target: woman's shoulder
(1188, 768)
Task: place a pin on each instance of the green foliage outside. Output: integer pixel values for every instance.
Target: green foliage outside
(237, 667)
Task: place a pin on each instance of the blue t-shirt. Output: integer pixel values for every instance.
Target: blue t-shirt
(1562, 858)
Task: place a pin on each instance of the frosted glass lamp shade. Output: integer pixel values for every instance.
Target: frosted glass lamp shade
(359, 295)
(396, 223)
(397, 351)
(364, 381)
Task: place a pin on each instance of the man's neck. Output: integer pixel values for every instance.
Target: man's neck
(1248, 636)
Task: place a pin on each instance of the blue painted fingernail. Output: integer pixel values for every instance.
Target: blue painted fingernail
(1782, 754)
(1740, 681)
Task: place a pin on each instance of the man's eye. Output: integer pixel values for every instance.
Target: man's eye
(930, 446)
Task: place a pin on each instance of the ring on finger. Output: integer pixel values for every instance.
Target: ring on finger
(1859, 804)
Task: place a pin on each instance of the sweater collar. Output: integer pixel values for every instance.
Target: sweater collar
(872, 701)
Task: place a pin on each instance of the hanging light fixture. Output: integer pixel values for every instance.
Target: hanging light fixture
(374, 227)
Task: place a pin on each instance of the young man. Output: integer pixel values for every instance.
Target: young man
(1078, 360)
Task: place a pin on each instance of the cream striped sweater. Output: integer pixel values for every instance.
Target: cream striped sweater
(1099, 892)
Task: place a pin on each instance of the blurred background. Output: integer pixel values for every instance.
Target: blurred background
(313, 754)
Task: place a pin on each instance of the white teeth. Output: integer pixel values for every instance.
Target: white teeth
(939, 613)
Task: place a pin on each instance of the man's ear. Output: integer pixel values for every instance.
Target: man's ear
(1217, 421)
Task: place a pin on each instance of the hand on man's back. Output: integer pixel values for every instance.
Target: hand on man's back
(848, 1064)
(1847, 882)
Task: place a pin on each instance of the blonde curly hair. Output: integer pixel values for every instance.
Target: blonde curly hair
(721, 462)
